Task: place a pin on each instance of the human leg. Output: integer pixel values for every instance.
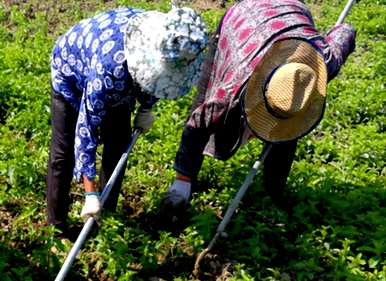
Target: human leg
(116, 135)
(61, 160)
(277, 166)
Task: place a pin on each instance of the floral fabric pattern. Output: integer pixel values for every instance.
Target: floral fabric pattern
(248, 29)
(164, 51)
(89, 70)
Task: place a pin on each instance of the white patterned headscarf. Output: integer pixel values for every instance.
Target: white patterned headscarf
(164, 51)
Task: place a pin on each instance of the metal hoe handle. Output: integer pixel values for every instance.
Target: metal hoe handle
(121, 163)
(345, 12)
(240, 194)
(90, 221)
(232, 207)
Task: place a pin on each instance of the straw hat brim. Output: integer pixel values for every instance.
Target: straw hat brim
(265, 125)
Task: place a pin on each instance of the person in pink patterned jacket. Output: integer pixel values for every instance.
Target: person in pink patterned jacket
(265, 76)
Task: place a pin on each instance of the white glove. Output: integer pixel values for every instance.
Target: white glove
(175, 201)
(91, 207)
(143, 119)
(181, 189)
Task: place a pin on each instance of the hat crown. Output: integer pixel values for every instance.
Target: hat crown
(185, 35)
(290, 88)
(163, 51)
(282, 101)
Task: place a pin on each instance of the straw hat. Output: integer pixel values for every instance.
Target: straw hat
(285, 96)
(164, 51)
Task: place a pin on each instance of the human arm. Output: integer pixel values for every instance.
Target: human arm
(206, 70)
(85, 149)
(189, 156)
(144, 117)
(92, 205)
(340, 42)
(89, 185)
(90, 116)
(208, 112)
(93, 108)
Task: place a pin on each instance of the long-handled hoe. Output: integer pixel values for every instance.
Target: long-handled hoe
(90, 221)
(248, 180)
(232, 207)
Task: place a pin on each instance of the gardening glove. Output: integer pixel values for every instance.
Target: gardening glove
(175, 201)
(181, 189)
(143, 119)
(92, 206)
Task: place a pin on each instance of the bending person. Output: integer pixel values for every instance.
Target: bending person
(265, 76)
(100, 69)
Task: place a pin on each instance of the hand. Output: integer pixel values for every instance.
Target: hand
(175, 202)
(180, 189)
(91, 207)
(144, 119)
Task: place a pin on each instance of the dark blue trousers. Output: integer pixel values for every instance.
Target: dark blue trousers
(115, 134)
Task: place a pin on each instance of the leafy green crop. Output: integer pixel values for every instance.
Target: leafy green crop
(333, 227)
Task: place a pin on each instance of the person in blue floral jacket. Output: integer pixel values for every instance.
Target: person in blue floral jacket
(100, 69)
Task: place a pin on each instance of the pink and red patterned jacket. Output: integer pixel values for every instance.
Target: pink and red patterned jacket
(247, 31)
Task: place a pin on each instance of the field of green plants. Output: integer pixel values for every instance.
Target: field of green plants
(333, 229)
